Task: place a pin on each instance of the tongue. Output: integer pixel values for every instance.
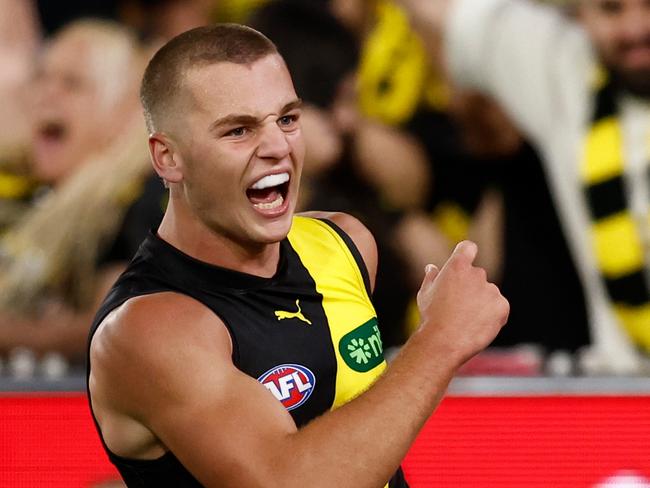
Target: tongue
(267, 195)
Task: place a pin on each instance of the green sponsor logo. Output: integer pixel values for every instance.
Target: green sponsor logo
(361, 349)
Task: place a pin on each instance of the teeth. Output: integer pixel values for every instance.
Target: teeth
(271, 180)
(269, 206)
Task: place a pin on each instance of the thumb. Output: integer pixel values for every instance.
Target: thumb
(465, 250)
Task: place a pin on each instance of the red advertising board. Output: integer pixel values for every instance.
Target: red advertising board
(550, 441)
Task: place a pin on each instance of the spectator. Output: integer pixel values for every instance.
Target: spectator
(580, 92)
(88, 157)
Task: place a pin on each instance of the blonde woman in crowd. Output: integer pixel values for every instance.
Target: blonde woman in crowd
(89, 165)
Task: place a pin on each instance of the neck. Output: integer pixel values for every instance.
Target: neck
(197, 240)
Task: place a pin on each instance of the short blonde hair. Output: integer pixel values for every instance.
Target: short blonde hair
(202, 46)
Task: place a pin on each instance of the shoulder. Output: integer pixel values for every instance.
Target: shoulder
(361, 237)
(161, 334)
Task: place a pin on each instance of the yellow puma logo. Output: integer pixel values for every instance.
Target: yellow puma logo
(281, 314)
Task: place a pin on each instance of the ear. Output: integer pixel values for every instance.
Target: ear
(165, 159)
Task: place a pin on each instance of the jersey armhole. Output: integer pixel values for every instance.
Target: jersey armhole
(355, 253)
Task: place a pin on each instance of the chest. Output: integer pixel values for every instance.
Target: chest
(311, 338)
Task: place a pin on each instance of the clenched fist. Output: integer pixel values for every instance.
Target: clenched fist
(461, 311)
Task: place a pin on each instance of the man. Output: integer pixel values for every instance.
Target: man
(220, 352)
(581, 92)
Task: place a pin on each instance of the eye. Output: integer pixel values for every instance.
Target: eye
(610, 7)
(288, 121)
(237, 132)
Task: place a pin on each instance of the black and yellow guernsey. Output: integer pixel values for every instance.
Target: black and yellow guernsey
(309, 334)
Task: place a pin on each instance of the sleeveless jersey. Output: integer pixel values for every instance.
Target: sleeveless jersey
(309, 334)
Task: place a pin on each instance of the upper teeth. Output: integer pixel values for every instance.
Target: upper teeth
(271, 180)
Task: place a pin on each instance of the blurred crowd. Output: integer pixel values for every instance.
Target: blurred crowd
(397, 135)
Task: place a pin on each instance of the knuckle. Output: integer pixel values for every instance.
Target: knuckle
(457, 263)
(494, 289)
(481, 274)
(505, 310)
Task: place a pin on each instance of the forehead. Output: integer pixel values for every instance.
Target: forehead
(257, 88)
(69, 52)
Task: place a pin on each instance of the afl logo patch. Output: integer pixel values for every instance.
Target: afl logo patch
(292, 384)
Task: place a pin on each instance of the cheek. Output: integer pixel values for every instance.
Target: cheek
(81, 139)
(85, 104)
(606, 38)
(604, 34)
(90, 123)
(209, 179)
(298, 146)
(206, 193)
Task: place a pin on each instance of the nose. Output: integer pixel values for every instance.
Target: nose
(273, 143)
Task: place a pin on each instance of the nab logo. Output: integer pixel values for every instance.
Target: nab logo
(292, 384)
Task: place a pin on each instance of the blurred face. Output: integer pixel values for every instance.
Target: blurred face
(620, 30)
(240, 148)
(70, 113)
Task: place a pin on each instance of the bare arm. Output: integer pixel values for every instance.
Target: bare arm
(482, 51)
(193, 400)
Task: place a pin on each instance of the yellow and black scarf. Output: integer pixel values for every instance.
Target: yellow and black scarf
(617, 238)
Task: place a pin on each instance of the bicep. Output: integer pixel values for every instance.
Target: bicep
(223, 426)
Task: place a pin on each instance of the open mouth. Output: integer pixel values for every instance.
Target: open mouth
(269, 192)
(52, 131)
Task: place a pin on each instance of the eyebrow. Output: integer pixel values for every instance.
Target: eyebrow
(244, 119)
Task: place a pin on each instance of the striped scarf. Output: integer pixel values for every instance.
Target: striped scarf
(617, 236)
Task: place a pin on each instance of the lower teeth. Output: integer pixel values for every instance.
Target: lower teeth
(269, 206)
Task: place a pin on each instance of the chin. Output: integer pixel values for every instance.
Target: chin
(276, 231)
